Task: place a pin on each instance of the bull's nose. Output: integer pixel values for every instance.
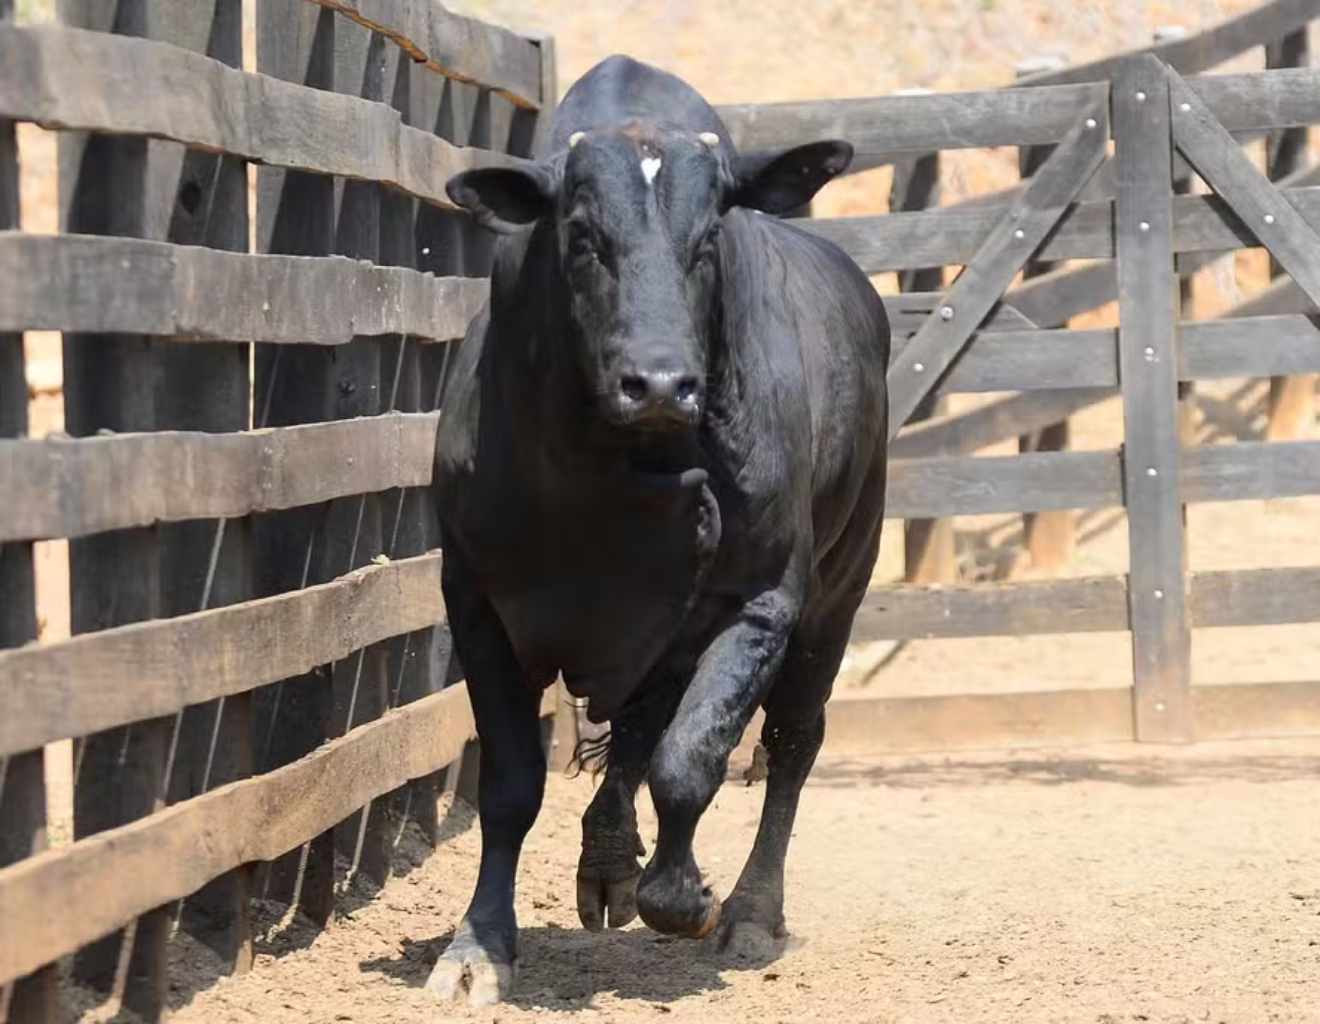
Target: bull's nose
(655, 397)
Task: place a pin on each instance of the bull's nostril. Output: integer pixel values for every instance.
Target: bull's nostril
(686, 391)
(633, 388)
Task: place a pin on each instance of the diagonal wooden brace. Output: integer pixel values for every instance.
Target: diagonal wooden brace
(1263, 207)
(984, 280)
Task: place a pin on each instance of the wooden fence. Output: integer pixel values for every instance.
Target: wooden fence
(986, 333)
(256, 686)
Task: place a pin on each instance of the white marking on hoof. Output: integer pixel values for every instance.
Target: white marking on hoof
(650, 168)
(476, 983)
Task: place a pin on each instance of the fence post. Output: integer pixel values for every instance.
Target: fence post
(1048, 537)
(1148, 362)
(929, 546)
(296, 384)
(1292, 399)
(33, 999)
(208, 564)
(112, 382)
(363, 385)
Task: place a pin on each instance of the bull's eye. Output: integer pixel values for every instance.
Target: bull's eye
(708, 248)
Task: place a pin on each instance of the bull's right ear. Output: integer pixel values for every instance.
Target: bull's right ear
(504, 199)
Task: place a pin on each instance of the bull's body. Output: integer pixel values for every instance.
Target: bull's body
(677, 578)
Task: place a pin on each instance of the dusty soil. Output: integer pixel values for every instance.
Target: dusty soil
(1100, 885)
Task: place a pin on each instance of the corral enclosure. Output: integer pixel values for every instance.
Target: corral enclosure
(252, 387)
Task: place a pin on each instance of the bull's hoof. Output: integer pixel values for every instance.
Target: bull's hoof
(466, 973)
(747, 933)
(690, 911)
(602, 902)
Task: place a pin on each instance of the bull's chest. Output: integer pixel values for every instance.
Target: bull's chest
(596, 589)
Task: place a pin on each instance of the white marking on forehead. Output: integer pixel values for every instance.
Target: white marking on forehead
(650, 168)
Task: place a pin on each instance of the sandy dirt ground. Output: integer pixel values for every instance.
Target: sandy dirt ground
(1101, 885)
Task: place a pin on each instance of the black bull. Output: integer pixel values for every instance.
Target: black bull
(661, 473)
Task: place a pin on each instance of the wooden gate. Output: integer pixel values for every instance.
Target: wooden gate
(981, 335)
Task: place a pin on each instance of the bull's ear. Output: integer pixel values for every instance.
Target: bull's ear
(782, 181)
(504, 199)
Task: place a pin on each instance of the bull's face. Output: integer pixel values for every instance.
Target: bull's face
(637, 216)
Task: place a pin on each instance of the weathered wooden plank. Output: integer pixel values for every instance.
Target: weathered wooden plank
(1148, 361)
(889, 725)
(965, 485)
(1190, 54)
(1255, 347)
(984, 280)
(1255, 597)
(890, 126)
(996, 721)
(1251, 470)
(64, 487)
(63, 77)
(1266, 211)
(1201, 224)
(1013, 416)
(1032, 360)
(1260, 101)
(67, 897)
(1088, 605)
(127, 673)
(907, 311)
(105, 284)
(1248, 710)
(456, 46)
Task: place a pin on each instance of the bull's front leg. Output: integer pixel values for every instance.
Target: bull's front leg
(689, 765)
(479, 965)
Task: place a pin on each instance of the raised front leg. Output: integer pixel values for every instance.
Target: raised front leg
(691, 760)
(480, 963)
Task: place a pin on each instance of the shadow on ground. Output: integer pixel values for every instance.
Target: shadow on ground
(566, 969)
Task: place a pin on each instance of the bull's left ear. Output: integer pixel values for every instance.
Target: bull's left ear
(783, 181)
(505, 199)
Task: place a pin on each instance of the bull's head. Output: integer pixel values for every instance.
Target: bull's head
(636, 211)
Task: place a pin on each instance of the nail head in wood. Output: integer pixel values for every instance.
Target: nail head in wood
(946, 312)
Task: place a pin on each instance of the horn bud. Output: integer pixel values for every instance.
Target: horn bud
(575, 138)
(710, 139)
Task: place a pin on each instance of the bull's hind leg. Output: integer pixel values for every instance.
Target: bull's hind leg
(479, 964)
(752, 924)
